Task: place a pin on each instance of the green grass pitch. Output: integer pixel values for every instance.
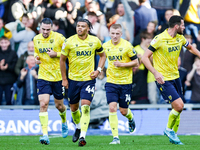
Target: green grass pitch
(136, 142)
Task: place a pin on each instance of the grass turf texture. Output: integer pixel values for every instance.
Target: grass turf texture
(99, 142)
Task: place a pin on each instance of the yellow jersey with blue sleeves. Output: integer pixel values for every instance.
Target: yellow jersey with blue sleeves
(49, 69)
(81, 56)
(166, 51)
(123, 52)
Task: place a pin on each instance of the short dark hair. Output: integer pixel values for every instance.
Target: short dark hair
(90, 13)
(146, 35)
(47, 21)
(174, 20)
(4, 38)
(56, 22)
(86, 21)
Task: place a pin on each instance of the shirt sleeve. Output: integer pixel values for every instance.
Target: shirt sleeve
(132, 53)
(65, 50)
(185, 42)
(35, 48)
(99, 48)
(154, 44)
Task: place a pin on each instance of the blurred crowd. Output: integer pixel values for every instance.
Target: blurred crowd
(141, 20)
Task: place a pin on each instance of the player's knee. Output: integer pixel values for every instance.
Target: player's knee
(112, 109)
(123, 112)
(59, 106)
(43, 104)
(179, 108)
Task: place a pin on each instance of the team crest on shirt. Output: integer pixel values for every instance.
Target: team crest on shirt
(38, 42)
(121, 49)
(177, 39)
(170, 97)
(76, 45)
(108, 49)
(51, 41)
(90, 44)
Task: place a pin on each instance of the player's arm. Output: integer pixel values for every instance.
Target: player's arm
(101, 63)
(63, 70)
(102, 59)
(193, 50)
(36, 53)
(133, 63)
(147, 62)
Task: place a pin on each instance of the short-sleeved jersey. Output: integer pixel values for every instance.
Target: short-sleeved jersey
(166, 51)
(81, 56)
(49, 69)
(123, 52)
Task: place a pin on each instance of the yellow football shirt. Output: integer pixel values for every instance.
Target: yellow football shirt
(166, 51)
(192, 12)
(81, 56)
(122, 52)
(140, 51)
(49, 69)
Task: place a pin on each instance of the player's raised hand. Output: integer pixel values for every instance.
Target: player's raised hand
(117, 63)
(65, 83)
(94, 74)
(37, 60)
(51, 53)
(159, 78)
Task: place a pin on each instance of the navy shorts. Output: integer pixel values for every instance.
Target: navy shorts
(118, 93)
(171, 90)
(80, 90)
(47, 87)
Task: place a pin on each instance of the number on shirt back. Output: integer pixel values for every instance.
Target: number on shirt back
(90, 89)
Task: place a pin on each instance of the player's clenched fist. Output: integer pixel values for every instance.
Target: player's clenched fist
(37, 60)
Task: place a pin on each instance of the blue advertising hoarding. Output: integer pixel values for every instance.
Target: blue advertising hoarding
(148, 122)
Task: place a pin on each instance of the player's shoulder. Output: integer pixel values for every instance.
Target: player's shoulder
(108, 43)
(56, 34)
(72, 38)
(39, 36)
(93, 38)
(180, 36)
(125, 43)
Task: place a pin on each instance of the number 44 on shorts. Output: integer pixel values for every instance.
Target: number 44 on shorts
(88, 89)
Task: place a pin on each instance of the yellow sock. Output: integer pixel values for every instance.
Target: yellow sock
(129, 115)
(63, 116)
(176, 125)
(113, 120)
(44, 122)
(76, 116)
(85, 118)
(172, 118)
